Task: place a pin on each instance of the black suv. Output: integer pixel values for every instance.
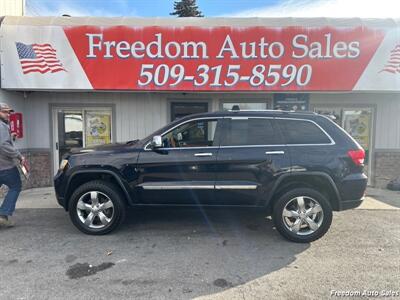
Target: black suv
(298, 167)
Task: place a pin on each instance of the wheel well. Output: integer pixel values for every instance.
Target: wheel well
(83, 178)
(316, 182)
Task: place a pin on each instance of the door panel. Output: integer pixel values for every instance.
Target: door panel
(177, 176)
(183, 171)
(247, 166)
(246, 174)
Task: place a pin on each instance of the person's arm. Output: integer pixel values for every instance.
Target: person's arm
(6, 147)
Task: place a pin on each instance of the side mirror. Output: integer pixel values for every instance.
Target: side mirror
(156, 142)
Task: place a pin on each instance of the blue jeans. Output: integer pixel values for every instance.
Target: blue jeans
(10, 178)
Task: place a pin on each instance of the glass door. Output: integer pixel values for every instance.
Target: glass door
(70, 131)
(79, 128)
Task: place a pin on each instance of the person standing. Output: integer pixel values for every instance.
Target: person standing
(9, 174)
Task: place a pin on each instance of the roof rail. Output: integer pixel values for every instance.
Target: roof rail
(274, 110)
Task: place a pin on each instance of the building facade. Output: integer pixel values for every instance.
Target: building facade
(80, 82)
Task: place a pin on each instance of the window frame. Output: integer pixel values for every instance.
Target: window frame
(205, 137)
(218, 119)
(332, 142)
(221, 118)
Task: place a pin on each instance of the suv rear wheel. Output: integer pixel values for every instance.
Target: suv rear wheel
(97, 208)
(302, 215)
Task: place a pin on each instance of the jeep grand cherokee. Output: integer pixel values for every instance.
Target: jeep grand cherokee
(298, 167)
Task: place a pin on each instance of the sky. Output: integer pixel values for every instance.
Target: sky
(218, 8)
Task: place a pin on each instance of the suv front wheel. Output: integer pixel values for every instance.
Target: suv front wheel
(97, 207)
(302, 215)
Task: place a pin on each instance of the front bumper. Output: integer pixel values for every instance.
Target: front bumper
(59, 187)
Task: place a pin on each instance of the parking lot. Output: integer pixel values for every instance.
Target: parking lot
(169, 253)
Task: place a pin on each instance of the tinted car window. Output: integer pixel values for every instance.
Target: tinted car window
(302, 132)
(198, 133)
(241, 132)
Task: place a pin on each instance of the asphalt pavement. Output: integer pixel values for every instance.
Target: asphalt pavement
(169, 253)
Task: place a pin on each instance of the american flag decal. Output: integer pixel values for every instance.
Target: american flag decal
(40, 58)
(393, 64)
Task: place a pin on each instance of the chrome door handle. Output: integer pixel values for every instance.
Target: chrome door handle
(275, 152)
(203, 154)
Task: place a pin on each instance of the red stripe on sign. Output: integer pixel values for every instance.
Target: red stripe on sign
(43, 70)
(42, 45)
(25, 66)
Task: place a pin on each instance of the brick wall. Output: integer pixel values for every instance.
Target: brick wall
(387, 167)
(41, 174)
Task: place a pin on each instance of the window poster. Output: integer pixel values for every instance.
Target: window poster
(357, 124)
(98, 128)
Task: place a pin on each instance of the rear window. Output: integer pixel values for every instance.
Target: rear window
(242, 132)
(302, 132)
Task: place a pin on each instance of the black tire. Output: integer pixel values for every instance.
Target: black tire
(285, 199)
(105, 189)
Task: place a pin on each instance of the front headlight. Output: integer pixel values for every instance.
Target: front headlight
(63, 164)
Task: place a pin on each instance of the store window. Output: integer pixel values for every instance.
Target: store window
(335, 114)
(182, 109)
(98, 128)
(357, 122)
(245, 105)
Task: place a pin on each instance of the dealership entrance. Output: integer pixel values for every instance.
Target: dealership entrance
(75, 128)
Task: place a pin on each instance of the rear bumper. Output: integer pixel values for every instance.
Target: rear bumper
(352, 191)
(343, 205)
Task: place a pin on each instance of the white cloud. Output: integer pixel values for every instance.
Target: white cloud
(327, 8)
(58, 8)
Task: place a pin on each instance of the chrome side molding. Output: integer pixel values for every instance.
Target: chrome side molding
(203, 154)
(236, 187)
(200, 187)
(178, 187)
(275, 152)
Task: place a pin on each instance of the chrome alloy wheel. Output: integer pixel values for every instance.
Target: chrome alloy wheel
(303, 215)
(95, 210)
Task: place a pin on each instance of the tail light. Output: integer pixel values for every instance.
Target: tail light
(357, 156)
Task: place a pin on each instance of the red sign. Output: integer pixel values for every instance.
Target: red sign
(223, 58)
(16, 125)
